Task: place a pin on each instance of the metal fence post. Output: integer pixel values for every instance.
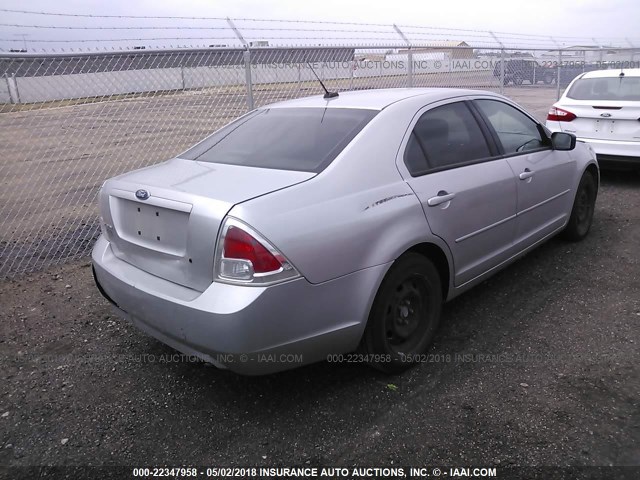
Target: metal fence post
(15, 85)
(246, 55)
(352, 72)
(409, 55)
(6, 77)
(558, 77)
(495, 37)
(502, 71)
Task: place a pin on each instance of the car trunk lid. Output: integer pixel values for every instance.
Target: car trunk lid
(172, 233)
(604, 120)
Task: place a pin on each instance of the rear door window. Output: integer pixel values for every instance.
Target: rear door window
(445, 137)
(302, 139)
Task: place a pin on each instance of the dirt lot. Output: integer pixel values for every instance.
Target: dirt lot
(539, 366)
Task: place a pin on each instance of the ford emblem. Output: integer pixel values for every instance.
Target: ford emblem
(142, 194)
(606, 115)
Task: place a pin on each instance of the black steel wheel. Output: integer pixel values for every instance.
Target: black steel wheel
(404, 315)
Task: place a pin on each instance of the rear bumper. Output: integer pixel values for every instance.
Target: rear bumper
(609, 152)
(612, 149)
(249, 330)
(616, 154)
(618, 161)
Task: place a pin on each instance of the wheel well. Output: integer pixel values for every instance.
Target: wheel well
(593, 170)
(439, 259)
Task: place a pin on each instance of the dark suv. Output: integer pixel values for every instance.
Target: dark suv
(521, 70)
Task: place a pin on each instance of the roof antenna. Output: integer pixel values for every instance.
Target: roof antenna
(327, 93)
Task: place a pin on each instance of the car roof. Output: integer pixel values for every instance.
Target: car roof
(630, 72)
(377, 99)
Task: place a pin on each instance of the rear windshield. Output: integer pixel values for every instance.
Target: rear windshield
(302, 139)
(616, 88)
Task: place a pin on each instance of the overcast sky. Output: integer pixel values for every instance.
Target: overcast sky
(611, 22)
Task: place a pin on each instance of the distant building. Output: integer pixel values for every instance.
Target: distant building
(587, 53)
(418, 56)
(49, 65)
(453, 49)
(259, 43)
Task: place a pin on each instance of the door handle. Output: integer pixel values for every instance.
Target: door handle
(442, 197)
(526, 174)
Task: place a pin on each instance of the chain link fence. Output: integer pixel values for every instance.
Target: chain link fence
(69, 121)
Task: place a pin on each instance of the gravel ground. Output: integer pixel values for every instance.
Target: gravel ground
(537, 366)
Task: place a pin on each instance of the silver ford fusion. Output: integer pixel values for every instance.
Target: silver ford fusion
(336, 224)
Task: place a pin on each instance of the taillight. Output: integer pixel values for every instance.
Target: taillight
(244, 256)
(559, 115)
(239, 245)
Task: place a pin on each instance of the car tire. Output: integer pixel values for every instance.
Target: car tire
(404, 316)
(583, 207)
(517, 79)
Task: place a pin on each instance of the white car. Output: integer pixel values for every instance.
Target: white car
(602, 108)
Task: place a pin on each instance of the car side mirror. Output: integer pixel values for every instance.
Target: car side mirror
(563, 141)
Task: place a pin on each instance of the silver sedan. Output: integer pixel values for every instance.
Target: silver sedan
(316, 227)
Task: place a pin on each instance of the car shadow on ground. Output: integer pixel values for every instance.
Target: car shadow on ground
(620, 178)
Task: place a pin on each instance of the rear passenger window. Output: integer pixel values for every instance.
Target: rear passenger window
(516, 131)
(444, 137)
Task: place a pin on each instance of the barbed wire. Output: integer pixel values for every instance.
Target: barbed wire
(390, 37)
(312, 39)
(76, 27)
(48, 40)
(318, 22)
(89, 15)
(261, 29)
